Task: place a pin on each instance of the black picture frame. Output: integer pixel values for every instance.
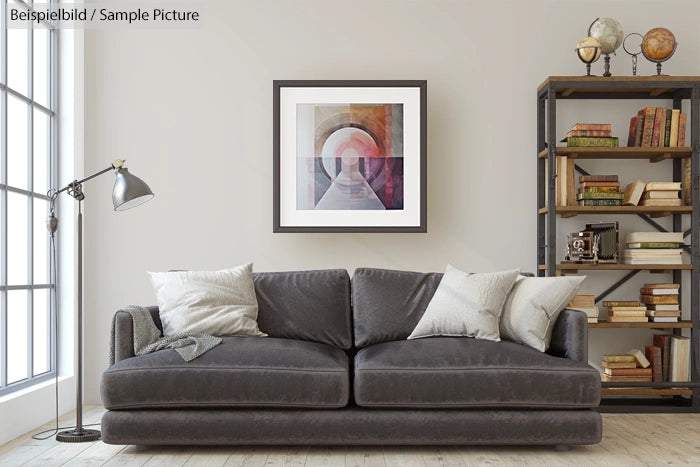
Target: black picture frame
(420, 85)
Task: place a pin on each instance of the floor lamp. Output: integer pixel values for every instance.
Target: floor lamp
(129, 191)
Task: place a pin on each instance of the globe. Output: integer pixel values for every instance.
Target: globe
(588, 49)
(609, 32)
(658, 44)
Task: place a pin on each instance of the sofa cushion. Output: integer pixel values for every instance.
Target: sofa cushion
(307, 305)
(240, 372)
(459, 372)
(387, 305)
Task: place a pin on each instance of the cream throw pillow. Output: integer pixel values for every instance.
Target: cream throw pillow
(466, 304)
(220, 303)
(533, 307)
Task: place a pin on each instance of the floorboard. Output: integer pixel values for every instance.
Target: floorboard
(628, 439)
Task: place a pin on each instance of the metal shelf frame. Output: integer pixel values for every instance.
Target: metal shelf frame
(676, 89)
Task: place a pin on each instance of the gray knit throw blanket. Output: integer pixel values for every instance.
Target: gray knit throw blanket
(147, 337)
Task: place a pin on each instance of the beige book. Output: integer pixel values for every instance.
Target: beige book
(633, 193)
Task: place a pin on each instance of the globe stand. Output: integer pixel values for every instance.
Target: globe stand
(591, 59)
(607, 66)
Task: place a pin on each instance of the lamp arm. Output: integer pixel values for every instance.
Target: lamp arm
(117, 164)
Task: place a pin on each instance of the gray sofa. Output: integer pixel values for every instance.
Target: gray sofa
(337, 369)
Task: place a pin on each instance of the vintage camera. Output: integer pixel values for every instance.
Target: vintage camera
(597, 243)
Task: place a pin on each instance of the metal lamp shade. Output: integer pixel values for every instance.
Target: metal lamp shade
(129, 191)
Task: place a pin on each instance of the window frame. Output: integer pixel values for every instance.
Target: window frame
(52, 165)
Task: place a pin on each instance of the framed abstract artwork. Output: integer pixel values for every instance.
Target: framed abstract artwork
(349, 156)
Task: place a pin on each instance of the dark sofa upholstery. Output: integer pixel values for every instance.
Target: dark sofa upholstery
(294, 387)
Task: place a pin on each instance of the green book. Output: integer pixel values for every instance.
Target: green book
(600, 195)
(667, 128)
(600, 202)
(591, 141)
(654, 245)
(600, 189)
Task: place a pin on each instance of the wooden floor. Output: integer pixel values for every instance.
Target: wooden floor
(627, 440)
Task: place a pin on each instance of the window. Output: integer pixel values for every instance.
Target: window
(27, 171)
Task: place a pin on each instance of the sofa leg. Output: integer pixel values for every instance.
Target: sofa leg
(561, 447)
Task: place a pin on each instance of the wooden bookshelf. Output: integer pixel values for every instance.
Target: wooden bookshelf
(660, 91)
(624, 153)
(653, 211)
(648, 325)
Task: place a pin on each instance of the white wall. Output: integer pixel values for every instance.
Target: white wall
(191, 111)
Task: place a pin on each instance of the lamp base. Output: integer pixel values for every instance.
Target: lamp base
(78, 436)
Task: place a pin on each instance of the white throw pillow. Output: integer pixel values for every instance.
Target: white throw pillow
(220, 303)
(533, 307)
(466, 304)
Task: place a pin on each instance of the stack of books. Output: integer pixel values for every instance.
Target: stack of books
(653, 248)
(599, 190)
(657, 127)
(591, 135)
(585, 303)
(626, 311)
(661, 301)
(661, 194)
(631, 367)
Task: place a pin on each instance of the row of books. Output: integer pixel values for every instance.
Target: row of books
(667, 359)
(653, 248)
(657, 303)
(591, 135)
(657, 127)
(639, 193)
(599, 190)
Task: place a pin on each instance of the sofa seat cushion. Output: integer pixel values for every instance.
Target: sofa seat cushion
(460, 372)
(240, 372)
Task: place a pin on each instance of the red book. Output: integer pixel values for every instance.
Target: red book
(649, 113)
(592, 126)
(591, 184)
(605, 133)
(634, 123)
(681, 130)
(653, 354)
(663, 341)
(659, 122)
(628, 371)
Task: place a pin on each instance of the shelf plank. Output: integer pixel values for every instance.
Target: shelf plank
(618, 267)
(656, 211)
(641, 86)
(646, 391)
(653, 154)
(647, 325)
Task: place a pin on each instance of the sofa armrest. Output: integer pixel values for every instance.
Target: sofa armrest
(570, 336)
(124, 333)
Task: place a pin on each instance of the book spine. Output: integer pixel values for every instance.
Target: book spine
(600, 195)
(605, 184)
(673, 140)
(610, 303)
(592, 141)
(592, 126)
(599, 189)
(653, 245)
(648, 130)
(653, 354)
(600, 202)
(681, 130)
(605, 133)
(597, 178)
(645, 291)
(687, 195)
(634, 123)
(659, 299)
(640, 128)
(659, 118)
(628, 371)
(667, 129)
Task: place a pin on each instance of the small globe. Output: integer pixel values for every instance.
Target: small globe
(658, 44)
(588, 49)
(609, 32)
